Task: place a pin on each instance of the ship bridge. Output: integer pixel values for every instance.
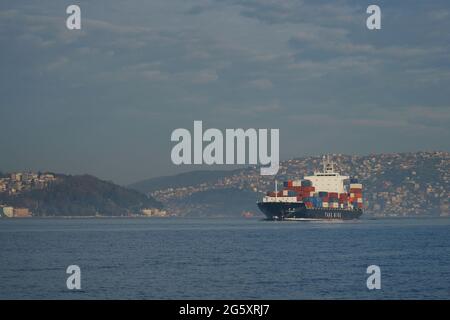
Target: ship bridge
(328, 180)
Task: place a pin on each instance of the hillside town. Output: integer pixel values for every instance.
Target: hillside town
(396, 184)
(18, 182)
(22, 181)
(29, 194)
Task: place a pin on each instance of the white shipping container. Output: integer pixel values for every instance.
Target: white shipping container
(325, 204)
(355, 186)
(359, 200)
(297, 183)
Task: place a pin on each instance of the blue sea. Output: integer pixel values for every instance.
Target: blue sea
(177, 258)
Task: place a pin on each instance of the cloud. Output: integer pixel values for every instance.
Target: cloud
(260, 84)
(151, 66)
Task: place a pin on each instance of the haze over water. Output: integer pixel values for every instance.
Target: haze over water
(224, 259)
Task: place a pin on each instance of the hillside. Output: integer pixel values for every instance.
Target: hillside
(81, 195)
(216, 203)
(397, 184)
(180, 180)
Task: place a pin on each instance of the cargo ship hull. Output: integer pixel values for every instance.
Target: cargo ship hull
(298, 211)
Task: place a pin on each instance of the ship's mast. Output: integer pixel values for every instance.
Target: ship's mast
(328, 165)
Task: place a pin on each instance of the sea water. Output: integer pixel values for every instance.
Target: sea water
(181, 258)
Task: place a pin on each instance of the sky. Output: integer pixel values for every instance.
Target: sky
(105, 99)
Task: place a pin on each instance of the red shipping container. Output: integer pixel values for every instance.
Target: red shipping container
(289, 183)
(332, 194)
(355, 190)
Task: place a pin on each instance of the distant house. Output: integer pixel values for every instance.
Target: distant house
(154, 212)
(8, 212)
(21, 213)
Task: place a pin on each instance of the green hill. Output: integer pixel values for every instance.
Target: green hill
(181, 180)
(81, 195)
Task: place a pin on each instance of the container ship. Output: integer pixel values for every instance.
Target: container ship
(325, 195)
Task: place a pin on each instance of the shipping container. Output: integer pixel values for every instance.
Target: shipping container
(306, 183)
(297, 183)
(317, 202)
(332, 194)
(323, 194)
(356, 186)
